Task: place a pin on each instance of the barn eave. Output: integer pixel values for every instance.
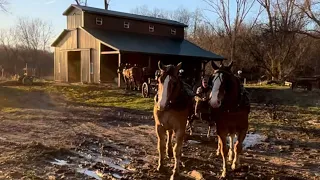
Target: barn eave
(60, 37)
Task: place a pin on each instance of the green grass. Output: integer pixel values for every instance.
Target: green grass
(91, 95)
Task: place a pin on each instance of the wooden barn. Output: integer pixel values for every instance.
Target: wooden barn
(96, 41)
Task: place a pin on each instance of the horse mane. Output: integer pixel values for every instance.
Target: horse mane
(170, 70)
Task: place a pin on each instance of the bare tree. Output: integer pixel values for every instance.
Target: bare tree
(34, 35)
(9, 43)
(3, 5)
(275, 45)
(82, 2)
(311, 9)
(231, 25)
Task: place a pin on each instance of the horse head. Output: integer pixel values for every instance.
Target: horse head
(223, 84)
(169, 84)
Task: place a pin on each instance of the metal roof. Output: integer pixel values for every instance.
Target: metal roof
(132, 42)
(124, 15)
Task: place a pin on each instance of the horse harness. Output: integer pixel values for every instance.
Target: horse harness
(239, 105)
(181, 102)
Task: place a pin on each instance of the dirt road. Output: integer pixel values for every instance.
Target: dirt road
(47, 134)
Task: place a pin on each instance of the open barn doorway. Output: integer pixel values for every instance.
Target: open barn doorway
(74, 66)
(108, 68)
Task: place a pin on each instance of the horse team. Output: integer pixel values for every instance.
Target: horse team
(134, 76)
(173, 105)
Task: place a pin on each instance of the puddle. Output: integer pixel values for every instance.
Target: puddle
(106, 160)
(116, 176)
(89, 173)
(250, 140)
(60, 162)
(193, 142)
(253, 139)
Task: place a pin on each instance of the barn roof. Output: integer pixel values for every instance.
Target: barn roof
(123, 15)
(132, 42)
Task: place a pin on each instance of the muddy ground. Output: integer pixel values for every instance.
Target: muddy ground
(46, 135)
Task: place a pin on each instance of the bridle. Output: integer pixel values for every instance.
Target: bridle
(178, 92)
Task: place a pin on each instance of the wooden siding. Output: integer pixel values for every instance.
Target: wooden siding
(74, 19)
(88, 41)
(85, 65)
(69, 41)
(61, 65)
(117, 24)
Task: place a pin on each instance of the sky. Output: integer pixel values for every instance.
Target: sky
(51, 10)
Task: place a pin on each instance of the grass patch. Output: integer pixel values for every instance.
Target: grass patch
(97, 96)
(9, 110)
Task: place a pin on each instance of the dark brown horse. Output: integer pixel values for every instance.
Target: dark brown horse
(231, 118)
(171, 110)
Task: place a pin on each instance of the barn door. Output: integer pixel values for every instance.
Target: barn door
(85, 66)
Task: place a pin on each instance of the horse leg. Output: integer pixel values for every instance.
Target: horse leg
(161, 133)
(223, 152)
(231, 137)
(209, 130)
(169, 144)
(177, 153)
(219, 147)
(190, 125)
(238, 149)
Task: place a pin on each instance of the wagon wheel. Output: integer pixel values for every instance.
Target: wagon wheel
(145, 90)
(27, 81)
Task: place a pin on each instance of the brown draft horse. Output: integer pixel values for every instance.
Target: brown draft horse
(171, 110)
(231, 119)
(132, 76)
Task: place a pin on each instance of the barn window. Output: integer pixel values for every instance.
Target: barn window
(126, 25)
(173, 31)
(99, 21)
(151, 28)
(91, 68)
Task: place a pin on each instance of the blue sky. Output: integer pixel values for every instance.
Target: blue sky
(52, 10)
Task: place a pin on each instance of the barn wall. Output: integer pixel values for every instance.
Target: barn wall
(74, 19)
(69, 41)
(85, 65)
(60, 65)
(88, 41)
(116, 23)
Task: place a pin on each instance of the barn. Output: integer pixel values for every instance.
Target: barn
(97, 41)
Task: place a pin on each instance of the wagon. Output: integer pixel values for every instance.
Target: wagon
(307, 83)
(150, 86)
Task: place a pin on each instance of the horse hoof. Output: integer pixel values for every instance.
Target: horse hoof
(234, 166)
(218, 153)
(223, 175)
(175, 176)
(161, 168)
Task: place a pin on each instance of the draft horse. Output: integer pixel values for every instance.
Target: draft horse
(171, 110)
(132, 77)
(231, 118)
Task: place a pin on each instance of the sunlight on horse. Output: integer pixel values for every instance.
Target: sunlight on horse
(231, 118)
(171, 111)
